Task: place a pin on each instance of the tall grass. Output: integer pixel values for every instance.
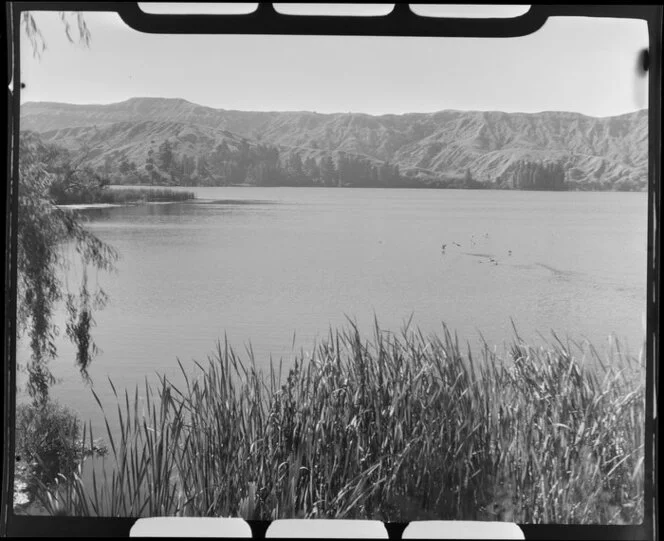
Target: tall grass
(399, 428)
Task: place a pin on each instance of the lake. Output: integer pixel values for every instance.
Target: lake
(277, 267)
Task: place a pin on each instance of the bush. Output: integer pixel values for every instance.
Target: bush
(47, 439)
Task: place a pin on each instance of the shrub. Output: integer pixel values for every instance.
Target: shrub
(47, 439)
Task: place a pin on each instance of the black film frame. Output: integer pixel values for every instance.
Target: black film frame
(401, 21)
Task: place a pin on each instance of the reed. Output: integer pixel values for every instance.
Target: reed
(120, 196)
(149, 195)
(396, 428)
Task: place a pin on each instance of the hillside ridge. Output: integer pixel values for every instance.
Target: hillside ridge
(429, 149)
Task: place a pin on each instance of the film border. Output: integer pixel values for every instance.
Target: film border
(400, 22)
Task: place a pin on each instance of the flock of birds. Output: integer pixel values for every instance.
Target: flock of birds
(473, 243)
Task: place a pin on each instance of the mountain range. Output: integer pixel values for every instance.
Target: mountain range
(426, 148)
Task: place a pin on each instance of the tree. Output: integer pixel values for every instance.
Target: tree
(294, 169)
(310, 170)
(468, 179)
(108, 165)
(37, 39)
(328, 172)
(124, 166)
(396, 175)
(43, 232)
(374, 176)
(150, 167)
(538, 176)
(188, 168)
(74, 181)
(386, 175)
(343, 169)
(165, 155)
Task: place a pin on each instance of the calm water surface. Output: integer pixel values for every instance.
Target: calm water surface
(273, 266)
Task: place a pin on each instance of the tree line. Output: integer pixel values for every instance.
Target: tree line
(257, 165)
(527, 175)
(241, 162)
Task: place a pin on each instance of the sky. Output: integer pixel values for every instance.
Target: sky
(571, 64)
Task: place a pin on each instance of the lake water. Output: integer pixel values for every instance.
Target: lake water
(277, 266)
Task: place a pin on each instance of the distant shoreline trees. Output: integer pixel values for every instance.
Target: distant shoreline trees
(256, 165)
(173, 162)
(528, 175)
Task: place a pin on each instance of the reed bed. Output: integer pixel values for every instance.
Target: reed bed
(149, 195)
(397, 428)
(121, 196)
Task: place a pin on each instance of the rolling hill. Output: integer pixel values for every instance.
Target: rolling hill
(596, 153)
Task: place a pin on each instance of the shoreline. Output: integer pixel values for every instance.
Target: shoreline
(180, 187)
(86, 206)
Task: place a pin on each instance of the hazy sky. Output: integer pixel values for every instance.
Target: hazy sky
(571, 64)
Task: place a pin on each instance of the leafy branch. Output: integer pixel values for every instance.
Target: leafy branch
(36, 38)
